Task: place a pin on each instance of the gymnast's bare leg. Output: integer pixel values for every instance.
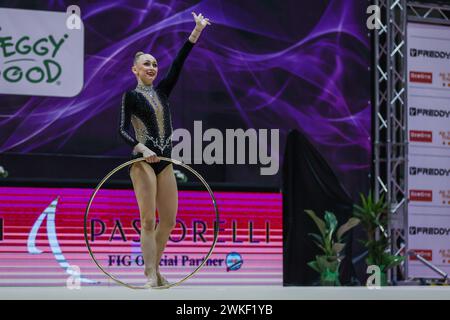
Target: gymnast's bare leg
(167, 204)
(144, 184)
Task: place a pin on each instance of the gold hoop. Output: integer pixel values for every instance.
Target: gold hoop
(216, 229)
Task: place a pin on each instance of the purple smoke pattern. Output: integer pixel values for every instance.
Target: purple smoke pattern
(262, 64)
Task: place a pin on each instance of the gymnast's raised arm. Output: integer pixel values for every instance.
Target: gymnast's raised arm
(166, 85)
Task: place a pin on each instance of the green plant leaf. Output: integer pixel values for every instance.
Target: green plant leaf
(381, 200)
(330, 221)
(317, 237)
(351, 223)
(394, 261)
(319, 222)
(314, 265)
(326, 262)
(363, 200)
(322, 262)
(370, 200)
(321, 247)
(338, 247)
(331, 224)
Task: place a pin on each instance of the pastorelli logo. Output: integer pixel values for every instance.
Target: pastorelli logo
(421, 195)
(416, 53)
(431, 231)
(31, 60)
(420, 136)
(415, 171)
(436, 113)
(196, 231)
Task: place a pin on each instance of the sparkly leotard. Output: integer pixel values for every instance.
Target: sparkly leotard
(147, 109)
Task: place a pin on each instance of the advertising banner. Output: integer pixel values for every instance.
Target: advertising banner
(429, 148)
(41, 54)
(42, 238)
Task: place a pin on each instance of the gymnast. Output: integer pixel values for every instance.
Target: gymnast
(147, 109)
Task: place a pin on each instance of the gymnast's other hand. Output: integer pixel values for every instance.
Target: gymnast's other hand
(148, 154)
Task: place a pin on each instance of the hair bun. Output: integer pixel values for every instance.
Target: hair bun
(137, 55)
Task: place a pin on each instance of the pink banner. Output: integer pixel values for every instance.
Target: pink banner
(42, 238)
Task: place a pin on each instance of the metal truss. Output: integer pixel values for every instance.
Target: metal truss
(390, 117)
(428, 12)
(390, 146)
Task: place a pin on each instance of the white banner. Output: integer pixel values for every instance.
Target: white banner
(429, 236)
(41, 53)
(429, 181)
(429, 148)
(429, 59)
(428, 124)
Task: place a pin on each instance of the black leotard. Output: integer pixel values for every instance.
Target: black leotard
(147, 108)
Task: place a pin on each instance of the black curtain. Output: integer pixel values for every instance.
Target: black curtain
(309, 183)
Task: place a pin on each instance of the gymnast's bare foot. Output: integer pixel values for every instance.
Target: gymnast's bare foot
(161, 280)
(152, 278)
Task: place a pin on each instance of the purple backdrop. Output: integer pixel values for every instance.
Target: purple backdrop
(262, 64)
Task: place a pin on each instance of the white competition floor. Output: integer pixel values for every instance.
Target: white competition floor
(227, 293)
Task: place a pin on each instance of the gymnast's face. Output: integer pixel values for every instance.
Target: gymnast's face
(145, 68)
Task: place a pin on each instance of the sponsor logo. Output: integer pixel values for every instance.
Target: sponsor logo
(413, 171)
(445, 135)
(431, 231)
(44, 61)
(421, 195)
(413, 52)
(173, 261)
(420, 136)
(234, 261)
(424, 253)
(421, 77)
(445, 255)
(445, 195)
(17, 68)
(49, 214)
(438, 113)
(195, 231)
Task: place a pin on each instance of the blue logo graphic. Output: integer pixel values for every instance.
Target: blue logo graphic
(49, 213)
(234, 261)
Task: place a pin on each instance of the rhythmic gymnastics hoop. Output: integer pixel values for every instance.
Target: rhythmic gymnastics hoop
(216, 229)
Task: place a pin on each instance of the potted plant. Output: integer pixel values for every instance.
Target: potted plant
(374, 218)
(330, 243)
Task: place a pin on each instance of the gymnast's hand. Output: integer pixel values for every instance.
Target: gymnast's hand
(148, 154)
(200, 21)
(200, 24)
